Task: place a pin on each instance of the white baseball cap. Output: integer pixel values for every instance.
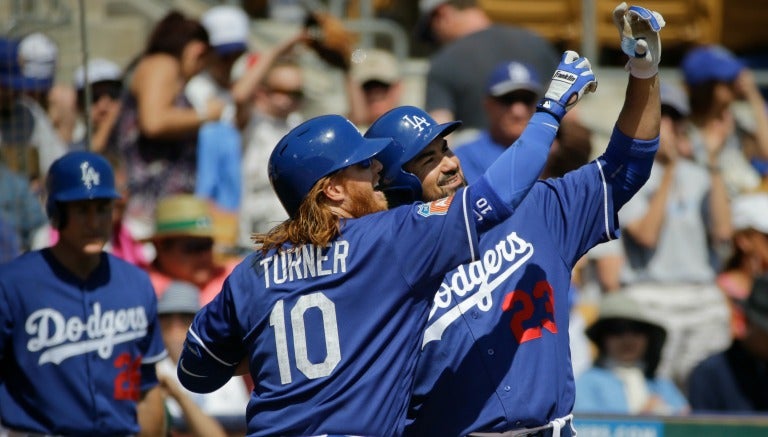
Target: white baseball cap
(30, 63)
(228, 28)
(99, 70)
(375, 65)
(750, 211)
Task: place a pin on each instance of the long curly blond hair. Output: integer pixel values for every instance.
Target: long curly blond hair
(314, 223)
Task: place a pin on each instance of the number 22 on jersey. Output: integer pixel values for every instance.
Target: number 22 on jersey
(295, 322)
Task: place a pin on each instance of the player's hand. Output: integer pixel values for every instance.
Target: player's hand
(572, 79)
(639, 32)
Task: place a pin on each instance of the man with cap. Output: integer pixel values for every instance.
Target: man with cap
(512, 90)
(471, 46)
(736, 380)
(716, 79)
(377, 72)
(671, 230)
(749, 254)
(105, 80)
(79, 337)
(28, 140)
(322, 318)
(623, 379)
(204, 415)
(184, 240)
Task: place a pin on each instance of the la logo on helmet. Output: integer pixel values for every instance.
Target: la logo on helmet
(90, 176)
(417, 122)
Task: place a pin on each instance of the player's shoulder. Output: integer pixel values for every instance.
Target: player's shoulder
(26, 264)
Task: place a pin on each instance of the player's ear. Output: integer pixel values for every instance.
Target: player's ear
(334, 189)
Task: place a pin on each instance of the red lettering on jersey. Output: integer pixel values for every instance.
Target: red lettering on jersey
(128, 380)
(527, 309)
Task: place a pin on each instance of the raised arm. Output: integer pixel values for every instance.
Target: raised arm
(628, 159)
(512, 175)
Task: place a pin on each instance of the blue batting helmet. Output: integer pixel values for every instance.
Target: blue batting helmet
(79, 176)
(412, 129)
(314, 149)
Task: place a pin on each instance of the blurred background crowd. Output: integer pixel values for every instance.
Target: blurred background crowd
(187, 98)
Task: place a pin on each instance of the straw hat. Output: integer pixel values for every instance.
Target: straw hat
(182, 215)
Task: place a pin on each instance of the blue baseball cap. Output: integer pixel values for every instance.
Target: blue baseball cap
(29, 63)
(710, 63)
(513, 76)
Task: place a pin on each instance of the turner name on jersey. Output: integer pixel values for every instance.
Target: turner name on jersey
(307, 261)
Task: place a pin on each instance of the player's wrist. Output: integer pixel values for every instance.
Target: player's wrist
(641, 71)
(552, 107)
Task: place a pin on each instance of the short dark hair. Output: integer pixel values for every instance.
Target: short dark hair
(173, 33)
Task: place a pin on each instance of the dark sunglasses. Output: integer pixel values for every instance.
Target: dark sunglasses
(510, 99)
(195, 245)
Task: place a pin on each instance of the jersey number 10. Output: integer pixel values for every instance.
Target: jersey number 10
(300, 351)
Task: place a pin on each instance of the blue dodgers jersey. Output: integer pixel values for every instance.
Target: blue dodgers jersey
(75, 354)
(496, 353)
(333, 333)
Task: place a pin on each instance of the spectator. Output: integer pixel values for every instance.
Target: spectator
(511, 93)
(157, 129)
(200, 415)
(749, 258)
(623, 379)
(670, 230)
(20, 207)
(736, 380)
(105, 80)
(715, 80)
(277, 104)
(184, 245)
(228, 30)
(378, 74)
(219, 148)
(28, 141)
(464, 33)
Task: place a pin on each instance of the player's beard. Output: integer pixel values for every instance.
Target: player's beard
(365, 201)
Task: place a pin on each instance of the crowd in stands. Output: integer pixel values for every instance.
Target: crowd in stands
(189, 125)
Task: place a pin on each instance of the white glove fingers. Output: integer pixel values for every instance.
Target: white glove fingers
(651, 19)
(570, 56)
(618, 16)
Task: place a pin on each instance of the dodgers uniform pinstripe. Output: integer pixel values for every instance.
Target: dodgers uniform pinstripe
(495, 353)
(76, 354)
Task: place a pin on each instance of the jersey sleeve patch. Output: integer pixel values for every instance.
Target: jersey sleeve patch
(436, 207)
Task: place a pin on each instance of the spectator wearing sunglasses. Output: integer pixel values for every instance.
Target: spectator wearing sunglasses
(623, 379)
(510, 100)
(104, 78)
(184, 244)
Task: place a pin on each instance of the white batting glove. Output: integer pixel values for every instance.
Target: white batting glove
(572, 79)
(639, 31)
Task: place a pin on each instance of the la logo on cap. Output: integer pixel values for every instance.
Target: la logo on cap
(90, 176)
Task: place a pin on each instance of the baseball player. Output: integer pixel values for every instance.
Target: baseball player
(495, 357)
(325, 314)
(78, 327)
